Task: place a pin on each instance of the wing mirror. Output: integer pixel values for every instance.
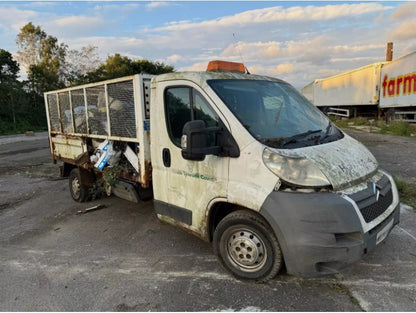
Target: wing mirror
(194, 141)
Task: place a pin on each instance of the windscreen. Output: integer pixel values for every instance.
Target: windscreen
(275, 113)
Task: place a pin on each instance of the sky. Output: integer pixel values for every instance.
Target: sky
(292, 40)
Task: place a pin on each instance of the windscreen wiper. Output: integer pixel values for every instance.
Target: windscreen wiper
(295, 138)
(327, 132)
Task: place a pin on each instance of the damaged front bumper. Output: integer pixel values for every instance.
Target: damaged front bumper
(323, 232)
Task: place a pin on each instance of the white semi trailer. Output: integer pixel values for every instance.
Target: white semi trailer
(379, 89)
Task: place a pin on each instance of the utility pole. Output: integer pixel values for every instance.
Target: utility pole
(389, 52)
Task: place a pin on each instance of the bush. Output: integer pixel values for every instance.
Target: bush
(407, 191)
(360, 121)
(399, 128)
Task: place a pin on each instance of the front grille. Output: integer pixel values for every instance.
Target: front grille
(375, 199)
(374, 210)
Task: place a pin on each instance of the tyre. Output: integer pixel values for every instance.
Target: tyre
(247, 247)
(78, 192)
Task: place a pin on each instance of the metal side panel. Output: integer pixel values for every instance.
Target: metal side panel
(68, 148)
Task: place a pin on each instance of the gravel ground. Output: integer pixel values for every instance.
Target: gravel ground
(121, 258)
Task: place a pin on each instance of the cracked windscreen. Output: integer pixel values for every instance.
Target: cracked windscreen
(275, 113)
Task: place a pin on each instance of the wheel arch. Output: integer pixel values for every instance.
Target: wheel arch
(221, 209)
(66, 169)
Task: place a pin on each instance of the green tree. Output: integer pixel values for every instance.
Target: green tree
(9, 68)
(118, 66)
(9, 89)
(43, 58)
(17, 110)
(29, 45)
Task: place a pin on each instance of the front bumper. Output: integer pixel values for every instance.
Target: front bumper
(321, 233)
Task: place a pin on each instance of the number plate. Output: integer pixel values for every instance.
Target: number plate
(382, 234)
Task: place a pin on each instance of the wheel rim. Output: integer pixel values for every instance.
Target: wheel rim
(246, 249)
(76, 187)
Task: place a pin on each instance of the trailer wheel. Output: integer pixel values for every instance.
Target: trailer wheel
(247, 247)
(78, 192)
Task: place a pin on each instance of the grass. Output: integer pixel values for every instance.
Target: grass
(407, 191)
(19, 128)
(398, 128)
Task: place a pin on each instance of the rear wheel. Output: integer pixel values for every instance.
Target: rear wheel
(247, 246)
(78, 192)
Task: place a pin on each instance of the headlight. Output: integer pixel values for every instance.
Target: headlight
(295, 170)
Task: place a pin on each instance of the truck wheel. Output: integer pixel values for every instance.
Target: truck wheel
(247, 247)
(78, 192)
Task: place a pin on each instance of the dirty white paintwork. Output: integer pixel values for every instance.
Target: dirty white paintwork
(68, 148)
(250, 180)
(343, 161)
(245, 180)
(191, 185)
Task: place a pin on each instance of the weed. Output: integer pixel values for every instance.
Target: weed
(399, 128)
(337, 287)
(360, 121)
(407, 191)
(343, 123)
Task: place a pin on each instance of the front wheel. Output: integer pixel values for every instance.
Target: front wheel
(247, 246)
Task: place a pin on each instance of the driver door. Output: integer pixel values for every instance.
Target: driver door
(190, 185)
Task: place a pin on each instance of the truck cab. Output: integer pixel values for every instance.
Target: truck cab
(247, 163)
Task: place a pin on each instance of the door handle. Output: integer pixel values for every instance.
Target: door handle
(166, 157)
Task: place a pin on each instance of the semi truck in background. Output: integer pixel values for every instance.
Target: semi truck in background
(383, 89)
(239, 160)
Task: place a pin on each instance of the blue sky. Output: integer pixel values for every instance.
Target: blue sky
(295, 41)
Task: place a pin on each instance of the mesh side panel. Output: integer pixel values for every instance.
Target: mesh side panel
(78, 105)
(97, 112)
(121, 105)
(66, 115)
(53, 112)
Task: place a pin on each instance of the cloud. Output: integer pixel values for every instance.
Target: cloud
(279, 14)
(295, 43)
(14, 18)
(195, 67)
(284, 68)
(157, 4)
(115, 9)
(405, 31)
(77, 25)
(407, 10)
(174, 58)
(125, 45)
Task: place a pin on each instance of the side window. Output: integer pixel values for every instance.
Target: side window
(178, 111)
(184, 104)
(202, 111)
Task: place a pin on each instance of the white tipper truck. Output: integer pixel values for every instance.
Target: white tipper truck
(383, 88)
(239, 160)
